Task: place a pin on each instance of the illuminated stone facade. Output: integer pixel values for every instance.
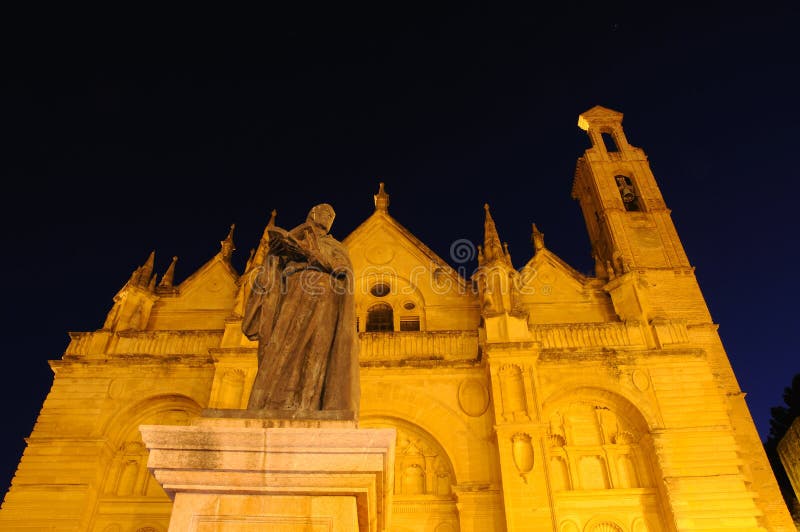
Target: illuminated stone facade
(530, 399)
(789, 454)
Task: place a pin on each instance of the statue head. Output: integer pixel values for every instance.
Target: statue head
(322, 215)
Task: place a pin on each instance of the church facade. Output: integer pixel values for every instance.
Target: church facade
(523, 399)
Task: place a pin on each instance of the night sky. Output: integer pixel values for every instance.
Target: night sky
(123, 135)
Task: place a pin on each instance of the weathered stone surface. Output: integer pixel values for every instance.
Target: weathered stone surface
(230, 471)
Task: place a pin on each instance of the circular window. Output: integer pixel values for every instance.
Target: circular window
(380, 290)
(408, 305)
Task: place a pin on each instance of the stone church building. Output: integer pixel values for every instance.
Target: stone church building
(523, 399)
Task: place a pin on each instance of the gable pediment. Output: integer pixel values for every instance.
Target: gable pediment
(213, 286)
(547, 276)
(554, 292)
(421, 285)
(381, 244)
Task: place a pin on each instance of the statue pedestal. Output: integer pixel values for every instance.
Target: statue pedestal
(243, 474)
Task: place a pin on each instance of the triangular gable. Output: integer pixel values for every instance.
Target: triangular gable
(598, 112)
(554, 292)
(421, 285)
(547, 275)
(381, 240)
(212, 286)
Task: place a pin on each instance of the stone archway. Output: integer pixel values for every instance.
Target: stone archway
(600, 456)
(423, 477)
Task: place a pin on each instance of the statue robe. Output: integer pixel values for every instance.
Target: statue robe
(303, 316)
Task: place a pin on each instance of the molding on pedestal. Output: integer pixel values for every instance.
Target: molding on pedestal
(249, 456)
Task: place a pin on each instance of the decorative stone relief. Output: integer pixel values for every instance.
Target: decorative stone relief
(623, 437)
(128, 476)
(559, 474)
(639, 525)
(446, 526)
(512, 390)
(608, 423)
(421, 468)
(522, 451)
(116, 388)
(593, 473)
(626, 473)
(546, 274)
(581, 424)
(413, 480)
(557, 436)
(605, 526)
(380, 254)
(640, 380)
(473, 397)
(568, 526)
(591, 447)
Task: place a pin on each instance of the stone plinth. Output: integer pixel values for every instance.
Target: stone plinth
(245, 473)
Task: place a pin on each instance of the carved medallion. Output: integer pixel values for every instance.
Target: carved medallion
(380, 254)
(473, 397)
(640, 380)
(116, 388)
(546, 275)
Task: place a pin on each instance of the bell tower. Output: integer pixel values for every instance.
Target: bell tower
(629, 224)
(634, 242)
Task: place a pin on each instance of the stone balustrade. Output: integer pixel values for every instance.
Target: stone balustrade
(395, 346)
(189, 342)
(574, 335)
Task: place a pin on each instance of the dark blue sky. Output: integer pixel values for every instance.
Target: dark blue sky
(128, 135)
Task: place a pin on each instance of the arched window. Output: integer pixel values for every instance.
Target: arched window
(380, 318)
(609, 141)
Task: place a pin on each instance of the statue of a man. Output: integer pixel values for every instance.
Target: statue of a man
(302, 312)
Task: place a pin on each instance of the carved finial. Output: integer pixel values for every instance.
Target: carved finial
(258, 256)
(152, 284)
(381, 199)
(492, 248)
(537, 237)
(134, 280)
(265, 237)
(250, 260)
(146, 271)
(166, 281)
(227, 245)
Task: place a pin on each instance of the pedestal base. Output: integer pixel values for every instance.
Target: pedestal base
(244, 474)
(256, 513)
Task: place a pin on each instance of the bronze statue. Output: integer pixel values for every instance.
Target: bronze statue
(301, 310)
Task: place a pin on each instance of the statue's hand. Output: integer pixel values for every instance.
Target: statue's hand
(288, 248)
